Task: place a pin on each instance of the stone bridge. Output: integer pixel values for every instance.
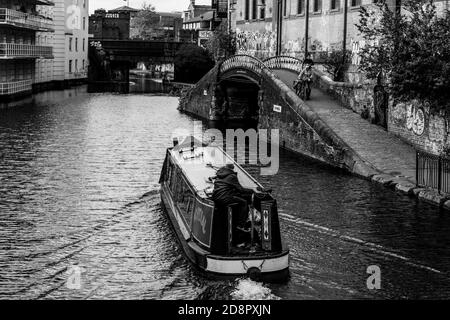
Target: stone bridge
(248, 90)
(110, 61)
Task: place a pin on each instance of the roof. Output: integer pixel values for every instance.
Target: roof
(207, 16)
(169, 14)
(124, 8)
(202, 163)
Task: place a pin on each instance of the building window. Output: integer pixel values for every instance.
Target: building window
(317, 7)
(300, 6)
(84, 65)
(285, 5)
(70, 66)
(84, 23)
(70, 44)
(355, 3)
(334, 5)
(247, 9)
(262, 14)
(255, 9)
(76, 44)
(76, 65)
(84, 44)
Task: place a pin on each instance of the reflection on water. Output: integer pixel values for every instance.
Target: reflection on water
(79, 187)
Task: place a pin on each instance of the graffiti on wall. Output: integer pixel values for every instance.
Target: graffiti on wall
(410, 116)
(415, 119)
(262, 44)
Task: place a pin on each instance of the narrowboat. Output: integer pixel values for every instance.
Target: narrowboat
(207, 232)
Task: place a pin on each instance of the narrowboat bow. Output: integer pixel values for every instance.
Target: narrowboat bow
(208, 233)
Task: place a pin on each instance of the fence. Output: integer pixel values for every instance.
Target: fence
(433, 172)
(15, 87)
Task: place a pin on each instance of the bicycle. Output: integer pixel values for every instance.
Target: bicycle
(302, 89)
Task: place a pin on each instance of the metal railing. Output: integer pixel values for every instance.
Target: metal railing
(24, 20)
(7, 88)
(243, 61)
(14, 50)
(284, 62)
(433, 171)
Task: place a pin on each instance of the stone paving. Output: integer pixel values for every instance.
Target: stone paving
(390, 156)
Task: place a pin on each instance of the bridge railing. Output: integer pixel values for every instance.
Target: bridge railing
(243, 61)
(284, 62)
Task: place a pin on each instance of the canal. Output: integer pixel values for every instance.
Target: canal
(79, 189)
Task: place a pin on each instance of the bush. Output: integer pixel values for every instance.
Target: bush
(222, 44)
(411, 52)
(336, 64)
(191, 63)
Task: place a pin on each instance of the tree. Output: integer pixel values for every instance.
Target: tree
(143, 24)
(410, 51)
(222, 43)
(191, 63)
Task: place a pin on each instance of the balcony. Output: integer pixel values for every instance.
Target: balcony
(23, 51)
(24, 20)
(8, 88)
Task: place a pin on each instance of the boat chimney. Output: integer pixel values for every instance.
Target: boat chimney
(175, 142)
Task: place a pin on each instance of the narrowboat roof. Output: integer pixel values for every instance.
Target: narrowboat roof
(199, 163)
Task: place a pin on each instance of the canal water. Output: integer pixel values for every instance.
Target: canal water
(79, 195)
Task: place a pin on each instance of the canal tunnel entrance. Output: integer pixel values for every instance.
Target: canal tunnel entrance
(238, 101)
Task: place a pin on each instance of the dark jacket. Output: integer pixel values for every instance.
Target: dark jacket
(227, 186)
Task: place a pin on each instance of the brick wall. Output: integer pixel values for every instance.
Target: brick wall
(419, 126)
(354, 94)
(200, 100)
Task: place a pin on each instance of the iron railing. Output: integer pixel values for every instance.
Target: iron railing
(284, 62)
(14, 50)
(433, 171)
(25, 20)
(243, 61)
(7, 88)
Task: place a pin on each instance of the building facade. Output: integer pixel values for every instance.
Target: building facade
(71, 40)
(268, 27)
(110, 26)
(42, 43)
(25, 39)
(200, 20)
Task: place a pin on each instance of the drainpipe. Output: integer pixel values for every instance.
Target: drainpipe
(306, 28)
(398, 6)
(344, 43)
(279, 26)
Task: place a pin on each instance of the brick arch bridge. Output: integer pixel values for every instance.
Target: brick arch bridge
(251, 90)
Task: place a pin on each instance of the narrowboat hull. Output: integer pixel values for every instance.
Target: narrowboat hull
(266, 268)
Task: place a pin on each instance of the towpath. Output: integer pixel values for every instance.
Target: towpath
(382, 150)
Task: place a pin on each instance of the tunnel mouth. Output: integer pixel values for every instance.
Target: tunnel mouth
(239, 102)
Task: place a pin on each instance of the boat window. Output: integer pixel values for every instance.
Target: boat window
(185, 201)
(172, 177)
